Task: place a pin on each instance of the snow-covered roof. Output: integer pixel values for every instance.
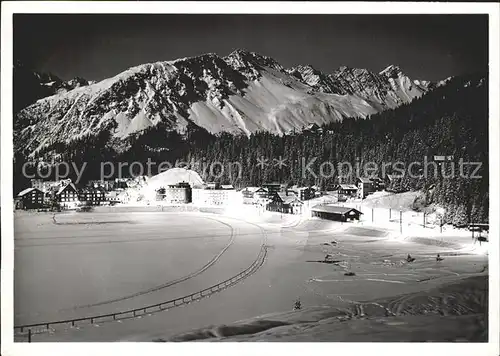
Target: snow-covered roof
(364, 180)
(255, 189)
(348, 187)
(252, 189)
(27, 191)
(334, 209)
(64, 186)
(303, 188)
(288, 198)
(227, 186)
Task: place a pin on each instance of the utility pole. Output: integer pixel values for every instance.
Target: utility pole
(372, 214)
(441, 213)
(400, 221)
(424, 219)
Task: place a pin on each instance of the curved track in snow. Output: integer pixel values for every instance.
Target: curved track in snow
(172, 282)
(166, 305)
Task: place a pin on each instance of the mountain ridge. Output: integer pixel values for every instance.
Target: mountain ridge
(241, 93)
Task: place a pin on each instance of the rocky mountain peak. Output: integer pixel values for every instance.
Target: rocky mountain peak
(77, 82)
(392, 71)
(315, 78)
(250, 63)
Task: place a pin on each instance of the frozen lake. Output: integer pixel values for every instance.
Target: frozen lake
(103, 262)
(92, 263)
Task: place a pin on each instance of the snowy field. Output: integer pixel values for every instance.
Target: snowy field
(97, 263)
(126, 260)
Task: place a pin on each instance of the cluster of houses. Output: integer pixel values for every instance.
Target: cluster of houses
(364, 186)
(278, 197)
(290, 200)
(272, 196)
(215, 194)
(275, 197)
(44, 194)
(64, 193)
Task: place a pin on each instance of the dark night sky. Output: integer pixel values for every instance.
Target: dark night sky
(95, 47)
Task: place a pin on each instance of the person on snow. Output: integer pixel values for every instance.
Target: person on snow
(298, 305)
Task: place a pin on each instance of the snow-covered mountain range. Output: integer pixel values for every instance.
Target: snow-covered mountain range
(241, 93)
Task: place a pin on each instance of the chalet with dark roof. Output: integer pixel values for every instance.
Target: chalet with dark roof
(30, 198)
(336, 213)
(287, 203)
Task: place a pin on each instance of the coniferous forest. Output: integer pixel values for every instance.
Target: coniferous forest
(452, 120)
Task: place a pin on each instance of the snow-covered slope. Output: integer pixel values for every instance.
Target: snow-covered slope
(174, 176)
(454, 311)
(242, 93)
(167, 178)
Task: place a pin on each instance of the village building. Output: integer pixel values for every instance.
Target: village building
(130, 182)
(365, 187)
(336, 213)
(107, 185)
(313, 127)
(317, 191)
(287, 203)
(175, 195)
(30, 198)
(391, 182)
(211, 185)
(180, 193)
(92, 196)
(213, 194)
(67, 195)
(273, 188)
(46, 186)
(377, 183)
(345, 191)
(117, 197)
(189, 190)
(254, 195)
(38, 184)
(120, 184)
(304, 193)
